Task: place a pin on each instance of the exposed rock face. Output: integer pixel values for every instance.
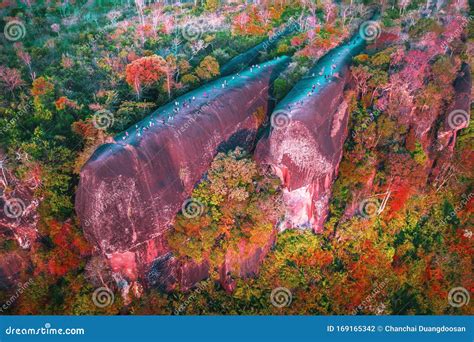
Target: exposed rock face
(304, 146)
(245, 263)
(18, 206)
(12, 265)
(456, 118)
(168, 272)
(131, 189)
(458, 115)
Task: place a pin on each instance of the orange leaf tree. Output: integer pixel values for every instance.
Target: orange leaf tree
(145, 71)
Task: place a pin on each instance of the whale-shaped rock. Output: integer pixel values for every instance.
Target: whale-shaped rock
(131, 189)
(304, 145)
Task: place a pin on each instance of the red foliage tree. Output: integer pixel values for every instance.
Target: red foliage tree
(69, 251)
(145, 71)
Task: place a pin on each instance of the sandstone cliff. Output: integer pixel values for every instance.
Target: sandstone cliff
(131, 189)
(304, 146)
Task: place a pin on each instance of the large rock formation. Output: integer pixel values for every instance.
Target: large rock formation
(18, 205)
(131, 189)
(18, 220)
(304, 146)
(169, 272)
(12, 268)
(457, 117)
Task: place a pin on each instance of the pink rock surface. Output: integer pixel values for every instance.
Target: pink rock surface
(18, 206)
(306, 153)
(11, 266)
(131, 190)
